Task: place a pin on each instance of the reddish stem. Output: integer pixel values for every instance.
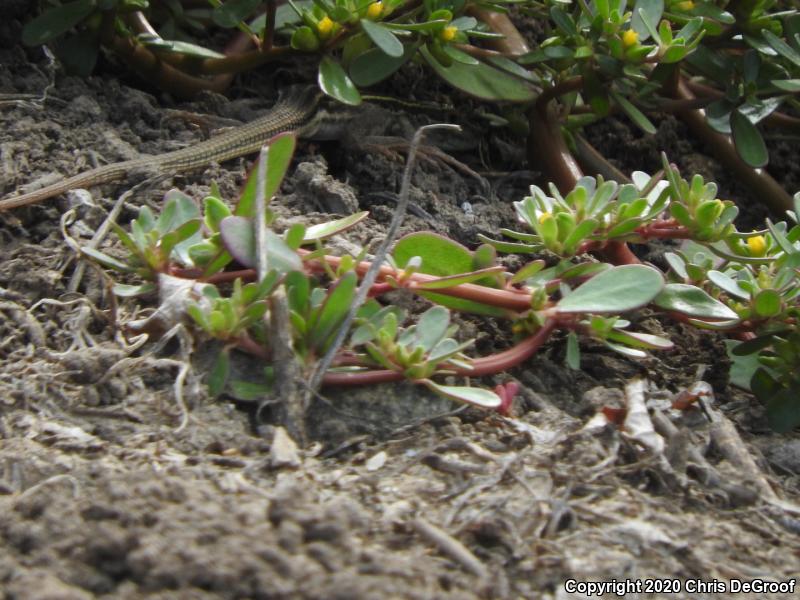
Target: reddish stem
(486, 365)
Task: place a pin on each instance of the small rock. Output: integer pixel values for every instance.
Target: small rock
(283, 451)
(377, 461)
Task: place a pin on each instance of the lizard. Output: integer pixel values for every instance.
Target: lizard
(299, 111)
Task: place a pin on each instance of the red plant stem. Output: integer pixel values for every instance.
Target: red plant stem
(486, 365)
(269, 34)
(508, 299)
(174, 78)
(514, 300)
(572, 84)
(548, 150)
(546, 147)
(617, 253)
(246, 343)
(594, 163)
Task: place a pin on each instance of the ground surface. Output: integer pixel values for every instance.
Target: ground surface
(104, 493)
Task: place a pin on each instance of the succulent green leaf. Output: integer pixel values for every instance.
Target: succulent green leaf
(280, 150)
(429, 26)
(178, 241)
(178, 209)
(304, 39)
(383, 38)
(470, 395)
(374, 65)
(693, 301)
(218, 376)
(787, 85)
(335, 83)
(781, 47)
(646, 16)
(482, 81)
(459, 55)
(440, 255)
(635, 115)
(214, 211)
(706, 213)
(511, 247)
(233, 12)
(239, 238)
(573, 356)
(681, 213)
(743, 364)
(638, 339)
(727, 284)
(624, 228)
(185, 48)
(78, 52)
(329, 228)
(56, 21)
(781, 239)
(333, 311)
(366, 332)
(665, 32)
(673, 54)
(298, 289)
(432, 327)
(218, 263)
(783, 410)
(767, 303)
(529, 270)
(249, 391)
(579, 234)
(563, 21)
(677, 264)
(749, 143)
(615, 290)
(294, 235)
(709, 9)
(567, 271)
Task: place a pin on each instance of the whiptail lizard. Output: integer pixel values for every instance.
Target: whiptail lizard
(299, 112)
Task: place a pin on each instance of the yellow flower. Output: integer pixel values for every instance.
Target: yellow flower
(630, 38)
(686, 5)
(544, 217)
(448, 33)
(374, 10)
(325, 26)
(757, 245)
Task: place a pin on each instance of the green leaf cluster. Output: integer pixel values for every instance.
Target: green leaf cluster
(155, 242)
(594, 211)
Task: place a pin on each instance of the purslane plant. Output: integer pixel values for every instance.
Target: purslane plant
(746, 284)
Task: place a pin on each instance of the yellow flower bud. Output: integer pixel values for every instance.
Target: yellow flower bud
(630, 38)
(544, 217)
(324, 27)
(374, 10)
(448, 33)
(686, 5)
(757, 245)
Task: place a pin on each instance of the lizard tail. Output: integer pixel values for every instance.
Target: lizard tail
(96, 176)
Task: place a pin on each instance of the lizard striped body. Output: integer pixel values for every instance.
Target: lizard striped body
(298, 112)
